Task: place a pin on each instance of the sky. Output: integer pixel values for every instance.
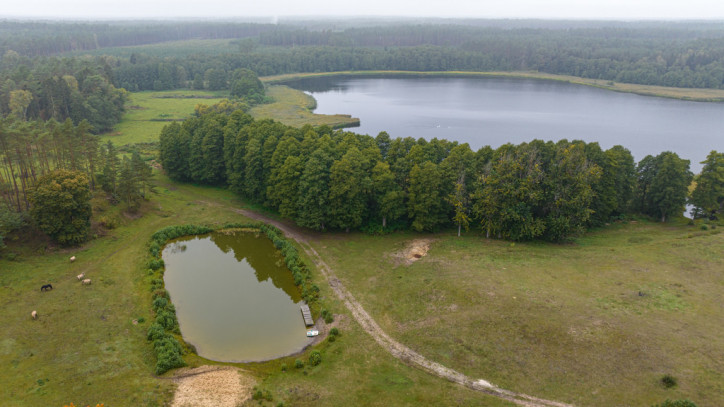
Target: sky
(546, 9)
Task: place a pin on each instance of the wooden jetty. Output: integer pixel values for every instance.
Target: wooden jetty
(307, 314)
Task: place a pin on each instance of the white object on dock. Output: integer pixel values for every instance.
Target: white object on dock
(313, 332)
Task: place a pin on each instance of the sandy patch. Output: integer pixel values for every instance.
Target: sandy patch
(416, 250)
(212, 386)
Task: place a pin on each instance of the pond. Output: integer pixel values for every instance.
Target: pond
(495, 111)
(235, 299)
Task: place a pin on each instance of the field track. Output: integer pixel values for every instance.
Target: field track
(395, 348)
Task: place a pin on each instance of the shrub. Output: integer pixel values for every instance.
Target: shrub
(315, 358)
(155, 264)
(676, 403)
(159, 304)
(168, 354)
(329, 318)
(298, 364)
(257, 394)
(704, 227)
(284, 367)
(155, 332)
(334, 331)
(668, 381)
(331, 338)
(166, 319)
(268, 396)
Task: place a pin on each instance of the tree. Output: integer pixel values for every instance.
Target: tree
(708, 196)
(389, 199)
(509, 194)
(664, 183)
(426, 204)
(60, 206)
(349, 187)
(313, 201)
(19, 102)
(245, 84)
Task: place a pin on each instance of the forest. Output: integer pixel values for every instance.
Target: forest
(667, 54)
(324, 179)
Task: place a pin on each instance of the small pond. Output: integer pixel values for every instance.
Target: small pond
(235, 299)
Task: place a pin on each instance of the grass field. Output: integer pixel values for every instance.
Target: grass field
(701, 95)
(294, 108)
(595, 323)
(148, 112)
(85, 349)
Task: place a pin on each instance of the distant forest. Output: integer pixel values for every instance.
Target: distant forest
(687, 54)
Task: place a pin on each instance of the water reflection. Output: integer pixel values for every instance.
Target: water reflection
(235, 299)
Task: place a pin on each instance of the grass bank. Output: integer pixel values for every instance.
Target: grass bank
(294, 108)
(595, 323)
(692, 94)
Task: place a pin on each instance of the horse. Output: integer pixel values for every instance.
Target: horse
(46, 287)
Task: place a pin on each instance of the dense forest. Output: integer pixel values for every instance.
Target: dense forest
(60, 88)
(326, 179)
(668, 54)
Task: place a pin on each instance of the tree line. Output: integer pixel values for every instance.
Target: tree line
(324, 179)
(681, 55)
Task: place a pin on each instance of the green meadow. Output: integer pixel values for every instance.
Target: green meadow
(597, 322)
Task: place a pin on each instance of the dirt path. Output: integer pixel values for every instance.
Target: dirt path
(397, 349)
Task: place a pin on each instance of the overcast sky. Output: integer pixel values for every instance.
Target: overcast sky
(563, 9)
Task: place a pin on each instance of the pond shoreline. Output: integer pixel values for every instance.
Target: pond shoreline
(688, 94)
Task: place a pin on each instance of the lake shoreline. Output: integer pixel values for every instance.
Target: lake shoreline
(687, 94)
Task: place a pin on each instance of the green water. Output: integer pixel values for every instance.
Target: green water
(235, 300)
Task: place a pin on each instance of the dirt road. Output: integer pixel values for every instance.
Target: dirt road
(395, 348)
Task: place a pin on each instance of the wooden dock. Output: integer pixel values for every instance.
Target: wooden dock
(307, 314)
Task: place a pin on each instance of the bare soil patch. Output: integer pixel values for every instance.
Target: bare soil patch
(414, 251)
(212, 386)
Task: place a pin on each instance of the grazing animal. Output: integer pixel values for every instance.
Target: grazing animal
(80, 276)
(46, 287)
(72, 259)
(34, 314)
(87, 281)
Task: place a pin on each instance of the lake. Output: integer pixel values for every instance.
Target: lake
(495, 111)
(235, 299)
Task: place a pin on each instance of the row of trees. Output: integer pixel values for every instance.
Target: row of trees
(335, 179)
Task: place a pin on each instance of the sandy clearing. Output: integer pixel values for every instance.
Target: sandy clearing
(212, 386)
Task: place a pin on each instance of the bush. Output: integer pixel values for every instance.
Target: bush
(668, 381)
(168, 354)
(298, 364)
(257, 394)
(155, 332)
(284, 367)
(331, 338)
(704, 227)
(155, 264)
(676, 403)
(315, 358)
(334, 331)
(329, 318)
(166, 319)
